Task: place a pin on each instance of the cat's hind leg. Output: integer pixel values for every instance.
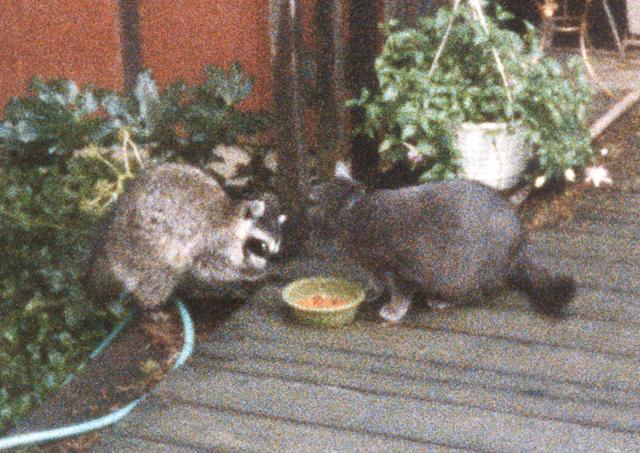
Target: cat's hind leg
(400, 294)
(473, 297)
(375, 287)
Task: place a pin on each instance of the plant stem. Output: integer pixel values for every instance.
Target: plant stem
(475, 4)
(434, 63)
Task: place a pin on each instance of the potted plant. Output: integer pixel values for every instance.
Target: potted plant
(457, 81)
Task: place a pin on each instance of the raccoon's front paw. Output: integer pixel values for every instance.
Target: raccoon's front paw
(157, 316)
(395, 311)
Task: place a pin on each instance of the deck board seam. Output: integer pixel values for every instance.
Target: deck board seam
(432, 380)
(164, 440)
(614, 289)
(580, 257)
(398, 395)
(520, 341)
(627, 323)
(581, 228)
(380, 434)
(510, 339)
(450, 365)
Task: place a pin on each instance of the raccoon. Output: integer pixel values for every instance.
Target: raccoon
(453, 241)
(175, 223)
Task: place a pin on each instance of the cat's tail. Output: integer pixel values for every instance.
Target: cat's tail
(548, 293)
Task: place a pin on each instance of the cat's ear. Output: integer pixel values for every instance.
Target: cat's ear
(343, 170)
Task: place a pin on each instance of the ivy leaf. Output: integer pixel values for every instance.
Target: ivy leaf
(232, 87)
(388, 142)
(114, 105)
(390, 94)
(87, 104)
(25, 132)
(408, 131)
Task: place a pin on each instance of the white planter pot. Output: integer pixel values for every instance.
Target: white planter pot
(633, 16)
(491, 154)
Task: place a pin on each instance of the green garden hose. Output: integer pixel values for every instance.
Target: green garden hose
(31, 438)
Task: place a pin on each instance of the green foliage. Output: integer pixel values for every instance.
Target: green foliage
(417, 110)
(53, 121)
(47, 324)
(58, 176)
(181, 123)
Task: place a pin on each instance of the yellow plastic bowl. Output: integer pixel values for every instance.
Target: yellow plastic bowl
(352, 292)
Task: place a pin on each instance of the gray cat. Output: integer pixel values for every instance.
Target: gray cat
(174, 224)
(454, 241)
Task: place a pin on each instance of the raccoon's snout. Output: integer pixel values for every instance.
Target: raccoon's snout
(256, 247)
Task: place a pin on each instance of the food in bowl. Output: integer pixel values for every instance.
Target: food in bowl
(321, 301)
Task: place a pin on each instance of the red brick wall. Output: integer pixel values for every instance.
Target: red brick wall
(81, 40)
(76, 39)
(179, 38)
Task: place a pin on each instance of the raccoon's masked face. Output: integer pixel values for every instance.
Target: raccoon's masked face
(263, 237)
(324, 201)
(247, 247)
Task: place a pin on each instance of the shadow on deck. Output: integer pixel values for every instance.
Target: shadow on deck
(498, 377)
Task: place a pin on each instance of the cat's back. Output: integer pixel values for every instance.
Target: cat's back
(436, 200)
(457, 210)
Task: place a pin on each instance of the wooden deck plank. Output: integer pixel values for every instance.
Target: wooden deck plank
(417, 369)
(609, 305)
(602, 230)
(114, 442)
(206, 426)
(528, 326)
(463, 427)
(627, 203)
(622, 276)
(580, 245)
(608, 214)
(267, 318)
(406, 378)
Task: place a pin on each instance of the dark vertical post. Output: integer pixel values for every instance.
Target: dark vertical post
(330, 83)
(130, 36)
(289, 113)
(403, 10)
(361, 54)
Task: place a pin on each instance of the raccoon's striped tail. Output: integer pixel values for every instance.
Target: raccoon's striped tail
(548, 293)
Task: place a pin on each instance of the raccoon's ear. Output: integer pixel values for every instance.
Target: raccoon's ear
(253, 209)
(343, 170)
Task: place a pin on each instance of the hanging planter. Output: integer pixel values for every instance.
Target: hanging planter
(461, 67)
(492, 153)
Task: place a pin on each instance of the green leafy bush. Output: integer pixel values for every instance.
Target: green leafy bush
(183, 122)
(52, 122)
(47, 323)
(420, 105)
(63, 160)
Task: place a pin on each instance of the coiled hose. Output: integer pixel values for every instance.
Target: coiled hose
(31, 438)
